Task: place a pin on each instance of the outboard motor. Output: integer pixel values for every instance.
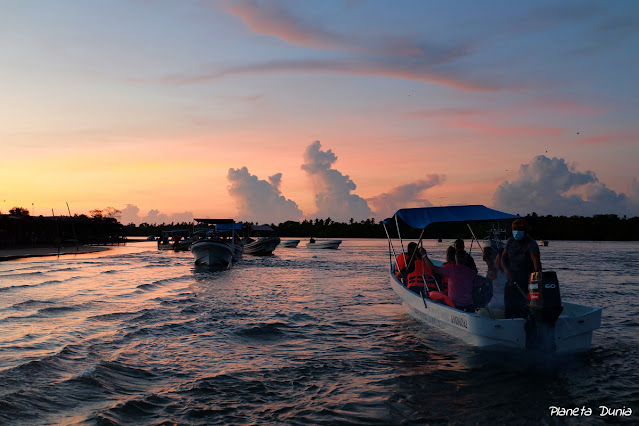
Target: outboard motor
(544, 302)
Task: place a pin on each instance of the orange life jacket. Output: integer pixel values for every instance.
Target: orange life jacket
(416, 278)
(437, 296)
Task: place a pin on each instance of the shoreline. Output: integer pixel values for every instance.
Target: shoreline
(21, 253)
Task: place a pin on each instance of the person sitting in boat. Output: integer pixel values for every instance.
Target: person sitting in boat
(402, 260)
(519, 259)
(416, 273)
(496, 276)
(450, 260)
(463, 256)
(460, 280)
(312, 240)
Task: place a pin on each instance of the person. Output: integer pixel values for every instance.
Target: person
(402, 260)
(466, 259)
(450, 260)
(312, 240)
(497, 277)
(519, 259)
(460, 280)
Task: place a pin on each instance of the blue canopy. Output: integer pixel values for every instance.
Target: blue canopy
(228, 226)
(421, 217)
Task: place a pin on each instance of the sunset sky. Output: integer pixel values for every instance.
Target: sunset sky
(277, 110)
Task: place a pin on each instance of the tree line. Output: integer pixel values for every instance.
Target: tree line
(102, 226)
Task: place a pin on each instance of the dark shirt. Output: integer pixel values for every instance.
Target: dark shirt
(519, 260)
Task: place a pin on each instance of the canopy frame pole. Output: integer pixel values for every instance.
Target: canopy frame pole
(391, 248)
(474, 239)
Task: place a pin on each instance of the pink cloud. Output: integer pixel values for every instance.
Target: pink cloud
(615, 138)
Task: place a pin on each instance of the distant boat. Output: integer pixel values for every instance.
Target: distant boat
(289, 243)
(217, 243)
(261, 240)
(323, 244)
(542, 243)
(177, 240)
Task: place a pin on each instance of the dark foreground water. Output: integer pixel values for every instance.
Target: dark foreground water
(139, 336)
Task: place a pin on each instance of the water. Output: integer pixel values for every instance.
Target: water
(140, 336)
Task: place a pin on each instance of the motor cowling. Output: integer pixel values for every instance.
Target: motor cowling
(544, 302)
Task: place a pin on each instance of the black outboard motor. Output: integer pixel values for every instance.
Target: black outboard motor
(544, 302)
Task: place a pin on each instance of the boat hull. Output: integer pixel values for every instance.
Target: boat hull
(212, 253)
(333, 244)
(181, 246)
(289, 243)
(573, 330)
(262, 246)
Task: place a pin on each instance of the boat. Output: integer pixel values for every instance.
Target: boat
(562, 328)
(261, 240)
(176, 239)
(216, 242)
(323, 244)
(289, 243)
(542, 243)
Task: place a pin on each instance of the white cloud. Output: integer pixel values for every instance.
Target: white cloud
(404, 196)
(261, 201)
(551, 186)
(131, 214)
(333, 190)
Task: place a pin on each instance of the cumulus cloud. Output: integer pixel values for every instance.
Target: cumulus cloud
(259, 200)
(404, 196)
(333, 190)
(551, 186)
(131, 214)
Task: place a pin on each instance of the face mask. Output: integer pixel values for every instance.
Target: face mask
(518, 235)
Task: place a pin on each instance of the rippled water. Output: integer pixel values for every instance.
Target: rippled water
(140, 336)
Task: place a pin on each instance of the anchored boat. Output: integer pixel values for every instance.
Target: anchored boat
(261, 240)
(289, 243)
(551, 326)
(323, 244)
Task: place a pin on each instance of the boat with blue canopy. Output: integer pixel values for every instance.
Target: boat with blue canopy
(551, 325)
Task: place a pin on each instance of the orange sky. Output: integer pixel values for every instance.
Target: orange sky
(123, 104)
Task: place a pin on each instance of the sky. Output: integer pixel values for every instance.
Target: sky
(284, 110)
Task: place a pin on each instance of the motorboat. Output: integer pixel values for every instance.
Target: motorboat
(542, 243)
(551, 326)
(176, 239)
(323, 244)
(261, 240)
(216, 244)
(289, 243)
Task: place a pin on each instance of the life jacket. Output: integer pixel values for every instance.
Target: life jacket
(440, 297)
(419, 272)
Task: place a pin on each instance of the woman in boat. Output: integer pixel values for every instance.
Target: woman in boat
(519, 259)
(460, 280)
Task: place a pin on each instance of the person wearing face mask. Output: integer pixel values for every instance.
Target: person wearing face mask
(519, 259)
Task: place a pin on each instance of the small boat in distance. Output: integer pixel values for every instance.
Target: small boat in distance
(177, 240)
(323, 244)
(261, 240)
(551, 326)
(289, 243)
(217, 244)
(542, 243)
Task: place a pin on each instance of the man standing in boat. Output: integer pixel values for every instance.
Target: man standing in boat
(519, 259)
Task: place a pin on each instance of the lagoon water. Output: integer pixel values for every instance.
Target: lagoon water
(140, 336)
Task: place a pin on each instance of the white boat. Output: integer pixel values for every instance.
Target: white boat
(289, 243)
(216, 244)
(261, 240)
(542, 243)
(569, 332)
(212, 252)
(324, 244)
